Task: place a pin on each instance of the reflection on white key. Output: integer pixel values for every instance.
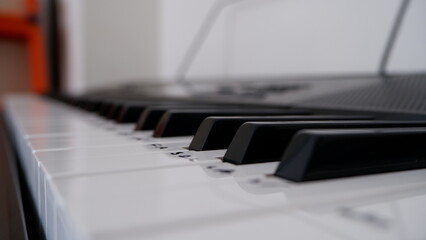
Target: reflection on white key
(97, 180)
(178, 203)
(223, 169)
(146, 160)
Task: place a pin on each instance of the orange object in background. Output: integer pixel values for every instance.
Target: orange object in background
(25, 27)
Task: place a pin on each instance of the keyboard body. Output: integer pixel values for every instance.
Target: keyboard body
(91, 178)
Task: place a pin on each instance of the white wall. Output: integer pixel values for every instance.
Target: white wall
(410, 54)
(297, 37)
(180, 19)
(309, 37)
(74, 77)
(112, 42)
(121, 41)
(109, 42)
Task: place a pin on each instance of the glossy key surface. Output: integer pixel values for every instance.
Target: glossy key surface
(143, 191)
(186, 122)
(266, 142)
(149, 119)
(218, 132)
(334, 153)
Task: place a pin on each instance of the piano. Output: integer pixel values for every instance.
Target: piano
(322, 158)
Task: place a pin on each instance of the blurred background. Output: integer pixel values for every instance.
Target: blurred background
(76, 46)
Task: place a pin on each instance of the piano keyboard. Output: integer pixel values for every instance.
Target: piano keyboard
(108, 168)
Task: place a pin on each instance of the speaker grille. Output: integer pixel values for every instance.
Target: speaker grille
(406, 94)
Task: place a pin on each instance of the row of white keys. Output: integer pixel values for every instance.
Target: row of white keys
(141, 191)
(69, 145)
(55, 166)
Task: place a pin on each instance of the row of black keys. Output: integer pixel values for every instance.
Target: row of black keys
(310, 147)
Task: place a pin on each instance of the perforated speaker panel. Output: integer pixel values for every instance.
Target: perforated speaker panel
(399, 95)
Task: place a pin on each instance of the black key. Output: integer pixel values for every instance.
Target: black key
(266, 142)
(111, 109)
(130, 113)
(324, 154)
(91, 104)
(114, 110)
(152, 115)
(150, 118)
(86, 104)
(78, 102)
(63, 98)
(105, 106)
(75, 101)
(186, 122)
(126, 111)
(217, 132)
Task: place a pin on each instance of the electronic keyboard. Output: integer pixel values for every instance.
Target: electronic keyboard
(295, 159)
